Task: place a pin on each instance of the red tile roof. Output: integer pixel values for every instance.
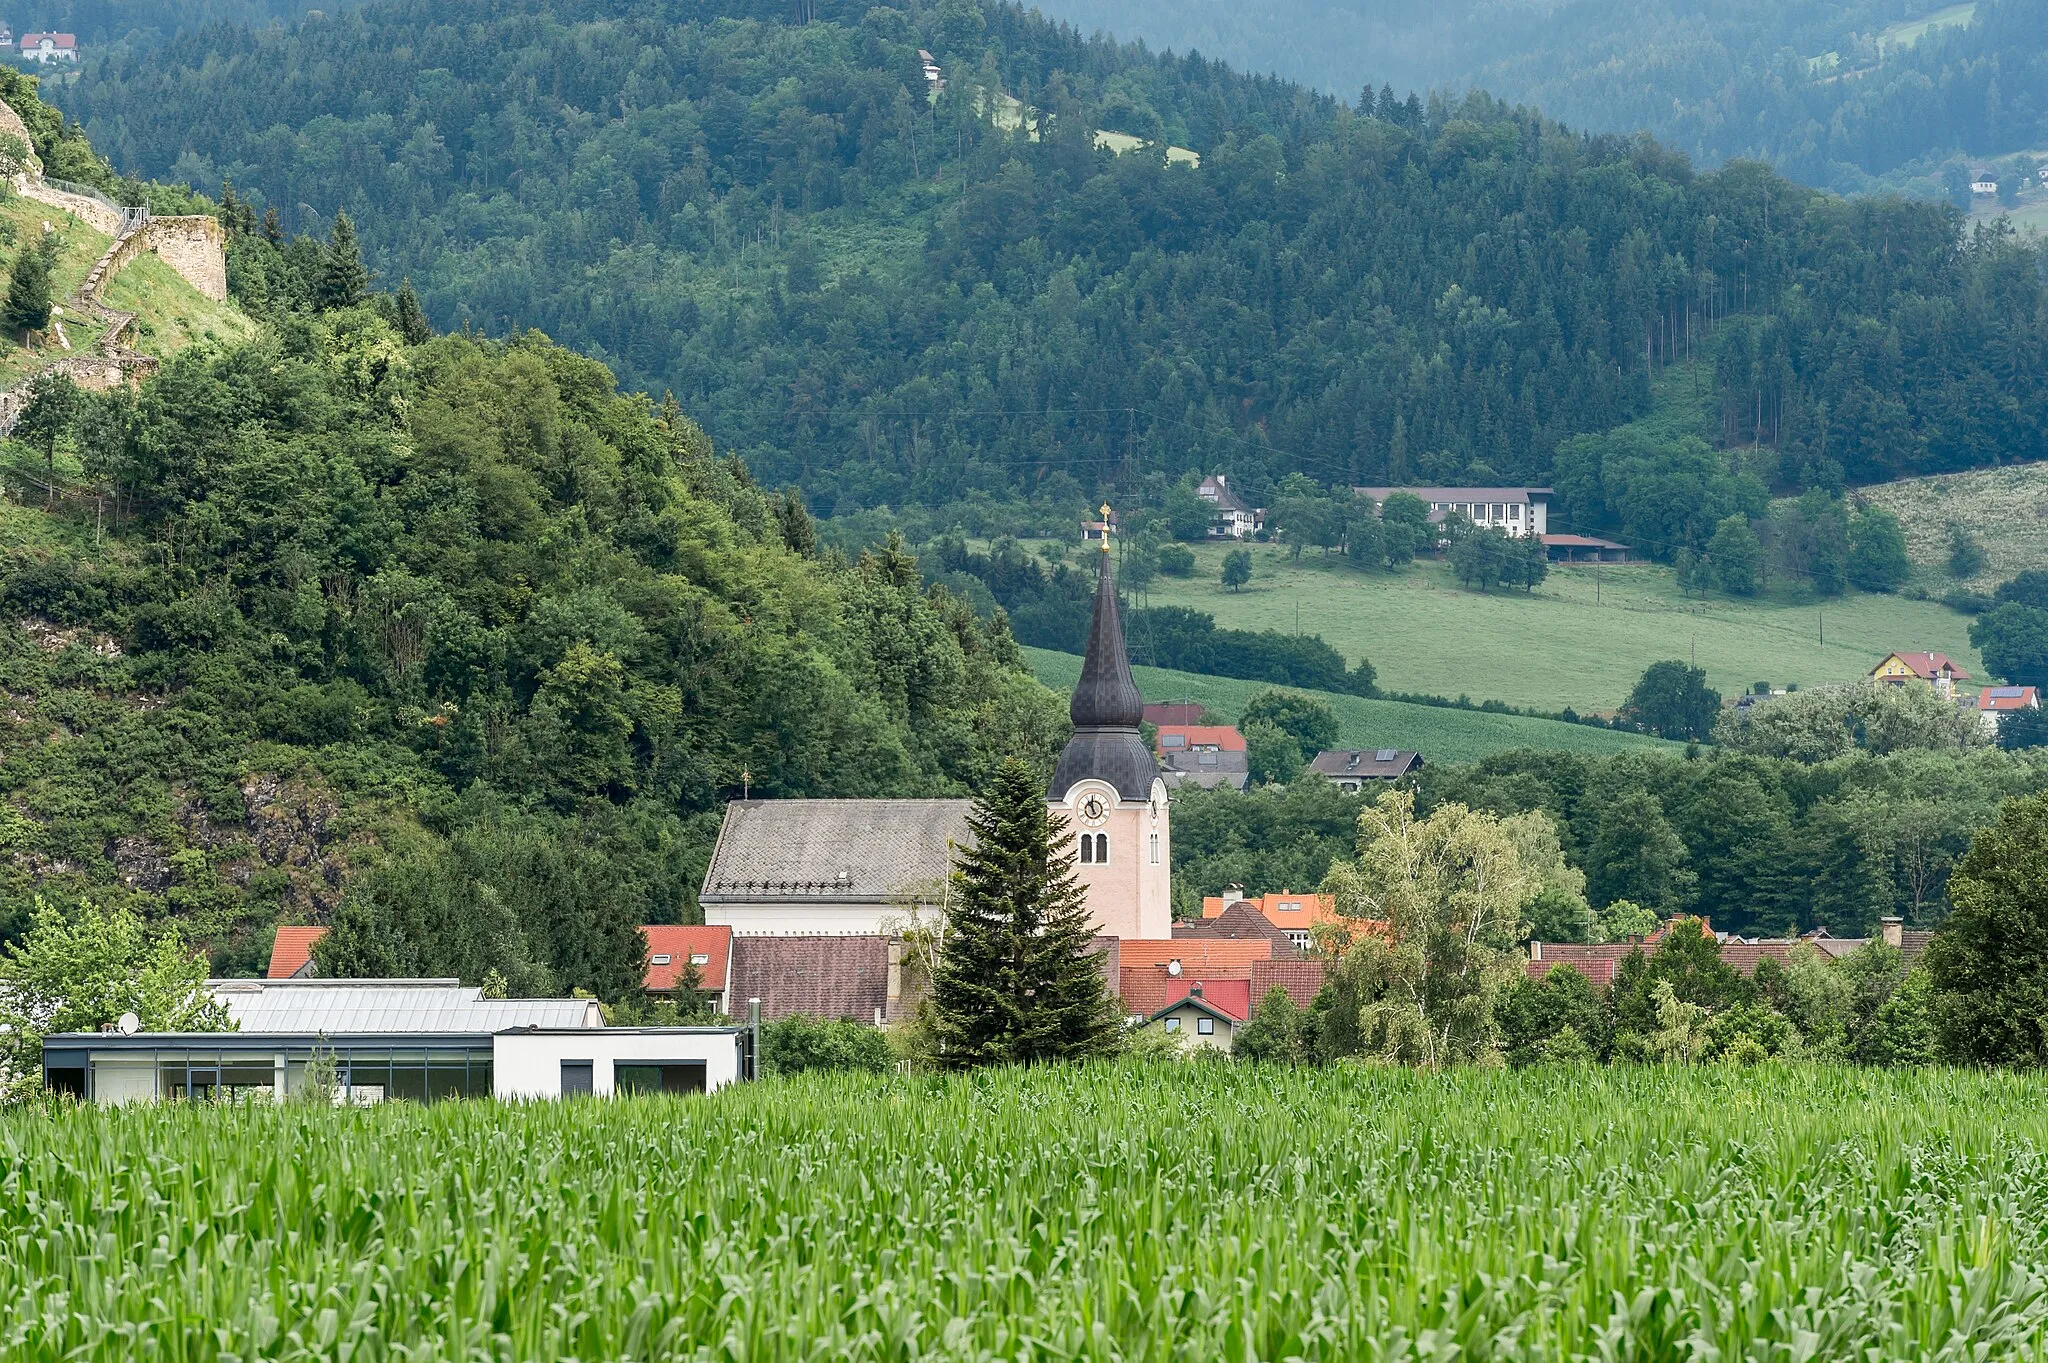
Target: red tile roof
(2007, 698)
(682, 945)
(291, 951)
(1222, 737)
(824, 977)
(1219, 956)
(1173, 712)
(1302, 980)
(1926, 665)
(1231, 998)
(1599, 971)
(1240, 922)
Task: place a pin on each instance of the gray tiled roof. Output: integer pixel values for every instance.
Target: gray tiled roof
(340, 1007)
(1188, 769)
(841, 851)
(1365, 763)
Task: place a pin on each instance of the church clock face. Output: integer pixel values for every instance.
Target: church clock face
(1093, 811)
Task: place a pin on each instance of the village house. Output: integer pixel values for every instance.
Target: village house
(1994, 703)
(1517, 511)
(49, 47)
(1229, 518)
(1296, 915)
(1935, 669)
(1208, 1014)
(1202, 755)
(1352, 769)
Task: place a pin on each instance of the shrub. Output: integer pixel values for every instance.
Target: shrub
(797, 1043)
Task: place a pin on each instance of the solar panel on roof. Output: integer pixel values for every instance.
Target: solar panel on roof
(2008, 692)
(1384, 755)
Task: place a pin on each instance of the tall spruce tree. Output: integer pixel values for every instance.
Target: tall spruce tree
(1016, 983)
(342, 275)
(27, 308)
(412, 319)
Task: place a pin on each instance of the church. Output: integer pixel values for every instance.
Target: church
(870, 867)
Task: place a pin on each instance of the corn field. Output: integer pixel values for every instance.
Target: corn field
(1165, 1212)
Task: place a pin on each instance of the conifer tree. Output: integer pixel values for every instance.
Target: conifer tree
(342, 276)
(27, 307)
(1016, 983)
(273, 230)
(412, 320)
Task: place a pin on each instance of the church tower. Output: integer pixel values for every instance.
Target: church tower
(1107, 785)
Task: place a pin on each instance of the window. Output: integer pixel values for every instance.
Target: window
(1207, 759)
(1087, 849)
(1173, 740)
(699, 958)
(1155, 849)
(659, 958)
(1173, 1024)
(658, 1076)
(1102, 848)
(1205, 1026)
(576, 1079)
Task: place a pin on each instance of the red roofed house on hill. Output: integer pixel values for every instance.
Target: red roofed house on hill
(49, 47)
(1994, 703)
(1935, 669)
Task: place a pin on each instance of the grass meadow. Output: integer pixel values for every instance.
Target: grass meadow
(2006, 509)
(1581, 639)
(1167, 1213)
(1438, 733)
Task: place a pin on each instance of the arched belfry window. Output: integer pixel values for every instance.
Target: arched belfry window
(1102, 847)
(1087, 848)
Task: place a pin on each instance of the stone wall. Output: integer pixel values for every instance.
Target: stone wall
(196, 247)
(99, 216)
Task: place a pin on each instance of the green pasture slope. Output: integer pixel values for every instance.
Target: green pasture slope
(1438, 733)
(1152, 1214)
(1581, 639)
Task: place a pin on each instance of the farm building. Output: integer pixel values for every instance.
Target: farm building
(1583, 549)
(1516, 510)
(418, 1039)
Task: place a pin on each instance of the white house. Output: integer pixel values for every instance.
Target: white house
(49, 47)
(1231, 518)
(1516, 510)
(1983, 183)
(417, 1039)
(1994, 703)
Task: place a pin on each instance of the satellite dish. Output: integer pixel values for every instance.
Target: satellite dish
(129, 1024)
(1173, 968)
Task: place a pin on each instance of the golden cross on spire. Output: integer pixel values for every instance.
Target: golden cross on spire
(1105, 527)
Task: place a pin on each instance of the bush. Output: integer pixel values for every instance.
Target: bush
(797, 1043)
(1175, 560)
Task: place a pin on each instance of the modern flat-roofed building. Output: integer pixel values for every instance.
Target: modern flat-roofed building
(418, 1039)
(1516, 510)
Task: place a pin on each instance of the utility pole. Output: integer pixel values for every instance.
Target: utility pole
(1823, 626)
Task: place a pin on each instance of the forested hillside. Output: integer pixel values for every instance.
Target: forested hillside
(1835, 93)
(885, 299)
(444, 638)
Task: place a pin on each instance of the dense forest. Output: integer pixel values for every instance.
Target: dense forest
(1812, 86)
(444, 639)
(886, 299)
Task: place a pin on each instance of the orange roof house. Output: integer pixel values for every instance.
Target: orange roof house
(291, 952)
(673, 949)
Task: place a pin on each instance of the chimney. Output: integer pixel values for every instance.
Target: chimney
(1232, 894)
(895, 972)
(1195, 990)
(1893, 929)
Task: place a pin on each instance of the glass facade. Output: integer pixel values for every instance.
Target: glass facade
(364, 1073)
